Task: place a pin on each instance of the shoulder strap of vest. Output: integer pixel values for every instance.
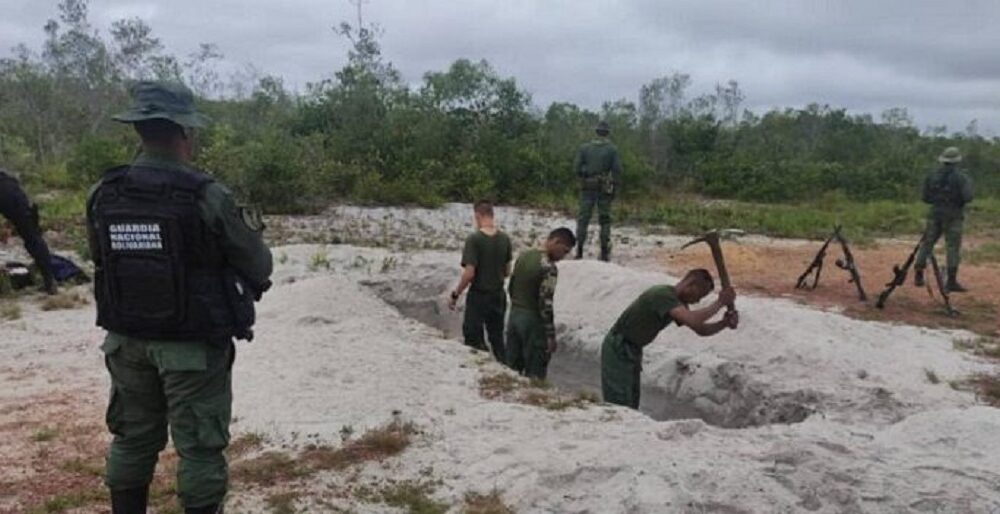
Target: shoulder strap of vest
(114, 174)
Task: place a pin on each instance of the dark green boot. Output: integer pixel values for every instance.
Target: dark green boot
(129, 501)
(918, 278)
(953, 285)
(208, 509)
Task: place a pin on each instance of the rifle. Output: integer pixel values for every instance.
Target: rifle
(817, 264)
(846, 263)
(939, 279)
(899, 275)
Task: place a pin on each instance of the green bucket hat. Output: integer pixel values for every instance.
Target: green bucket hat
(171, 101)
(950, 155)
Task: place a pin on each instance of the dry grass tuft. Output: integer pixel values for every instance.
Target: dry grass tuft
(539, 393)
(374, 445)
(492, 503)
(269, 468)
(64, 301)
(283, 503)
(981, 346)
(986, 387)
(10, 311)
(245, 444)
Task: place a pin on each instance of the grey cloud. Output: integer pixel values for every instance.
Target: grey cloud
(934, 57)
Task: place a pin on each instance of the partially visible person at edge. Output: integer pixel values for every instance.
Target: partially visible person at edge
(531, 330)
(599, 169)
(23, 214)
(651, 312)
(486, 261)
(948, 190)
(178, 267)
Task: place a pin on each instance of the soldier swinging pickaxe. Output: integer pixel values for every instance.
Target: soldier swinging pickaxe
(712, 239)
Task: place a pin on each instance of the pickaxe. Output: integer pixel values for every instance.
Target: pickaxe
(712, 240)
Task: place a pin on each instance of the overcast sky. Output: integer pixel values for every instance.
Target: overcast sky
(939, 59)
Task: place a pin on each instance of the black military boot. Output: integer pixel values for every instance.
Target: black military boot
(953, 285)
(918, 277)
(49, 285)
(605, 254)
(579, 252)
(129, 501)
(208, 509)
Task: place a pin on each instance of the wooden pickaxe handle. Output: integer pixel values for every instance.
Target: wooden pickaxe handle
(713, 241)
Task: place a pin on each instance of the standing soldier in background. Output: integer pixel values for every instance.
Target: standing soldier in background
(531, 329)
(599, 169)
(178, 266)
(23, 214)
(947, 190)
(485, 264)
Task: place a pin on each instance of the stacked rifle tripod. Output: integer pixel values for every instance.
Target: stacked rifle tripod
(900, 272)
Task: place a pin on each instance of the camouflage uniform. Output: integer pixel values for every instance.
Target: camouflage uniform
(531, 324)
(599, 168)
(184, 386)
(947, 190)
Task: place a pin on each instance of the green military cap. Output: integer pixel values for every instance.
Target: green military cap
(950, 155)
(603, 127)
(171, 101)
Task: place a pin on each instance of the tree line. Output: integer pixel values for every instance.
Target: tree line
(463, 133)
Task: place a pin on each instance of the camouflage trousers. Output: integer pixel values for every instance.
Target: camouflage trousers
(485, 310)
(183, 386)
(621, 368)
(951, 228)
(527, 349)
(588, 199)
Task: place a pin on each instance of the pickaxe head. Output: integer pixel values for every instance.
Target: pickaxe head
(713, 237)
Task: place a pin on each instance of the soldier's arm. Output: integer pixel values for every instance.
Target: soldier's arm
(546, 302)
(966, 189)
(92, 243)
(616, 170)
(241, 241)
(578, 163)
(926, 194)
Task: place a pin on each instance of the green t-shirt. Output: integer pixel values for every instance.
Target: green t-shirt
(490, 255)
(648, 315)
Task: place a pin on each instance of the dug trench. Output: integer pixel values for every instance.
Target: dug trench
(718, 391)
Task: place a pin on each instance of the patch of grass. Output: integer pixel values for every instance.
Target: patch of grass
(539, 393)
(83, 467)
(491, 503)
(985, 253)
(283, 503)
(981, 346)
(267, 469)
(44, 435)
(986, 387)
(245, 443)
(10, 311)
(72, 500)
(64, 300)
(374, 445)
(319, 260)
(412, 496)
(932, 377)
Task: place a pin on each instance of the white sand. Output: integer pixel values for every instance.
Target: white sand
(331, 353)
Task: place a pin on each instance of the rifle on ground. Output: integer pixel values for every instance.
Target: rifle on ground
(899, 276)
(846, 263)
(942, 289)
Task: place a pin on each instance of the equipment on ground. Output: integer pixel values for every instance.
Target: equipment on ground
(712, 240)
(899, 278)
(846, 263)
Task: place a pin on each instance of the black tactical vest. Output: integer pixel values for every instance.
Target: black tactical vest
(160, 273)
(946, 188)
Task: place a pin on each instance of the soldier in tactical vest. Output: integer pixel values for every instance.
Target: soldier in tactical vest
(178, 266)
(947, 190)
(23, 214)
(599, 169)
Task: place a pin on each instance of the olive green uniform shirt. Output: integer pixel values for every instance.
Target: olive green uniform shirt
(948, 190)
(490, 255)
(599, 159)
(533, 287)
(648, 315)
